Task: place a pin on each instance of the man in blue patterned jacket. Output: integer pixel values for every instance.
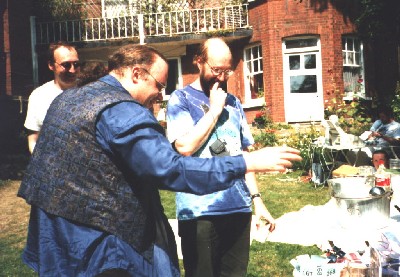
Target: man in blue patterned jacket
(94, 176)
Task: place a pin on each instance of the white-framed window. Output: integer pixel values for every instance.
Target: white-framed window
(353, 65)
(253, 76)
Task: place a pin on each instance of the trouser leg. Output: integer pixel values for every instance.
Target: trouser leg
(235, 246)
(199, 248)
(216, 246)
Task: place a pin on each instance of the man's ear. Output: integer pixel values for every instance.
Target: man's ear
(199, 61)
(136, 74)
(50, 65)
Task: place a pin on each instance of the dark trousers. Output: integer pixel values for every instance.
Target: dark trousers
(214, 246)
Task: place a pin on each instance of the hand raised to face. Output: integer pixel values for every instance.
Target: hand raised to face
(217, 99)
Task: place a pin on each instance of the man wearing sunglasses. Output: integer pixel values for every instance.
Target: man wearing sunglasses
(203, 120)
(64, 62)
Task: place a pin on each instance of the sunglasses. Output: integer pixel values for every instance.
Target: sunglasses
(68, 65)
(161, 86)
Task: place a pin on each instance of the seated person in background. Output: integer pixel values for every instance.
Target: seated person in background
(348, 170)
(378, 156)
(385, 131)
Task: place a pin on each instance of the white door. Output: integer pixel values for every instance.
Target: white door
(302, 80)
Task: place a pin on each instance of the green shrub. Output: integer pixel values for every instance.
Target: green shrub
(395, 104)
(285, 134)
(266, 137)
(302, 139)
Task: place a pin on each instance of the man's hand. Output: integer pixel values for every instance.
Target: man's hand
(262, 215)
(217, 100)
(271, 159)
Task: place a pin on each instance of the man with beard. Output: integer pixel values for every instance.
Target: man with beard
(64, 62)
(204, 121)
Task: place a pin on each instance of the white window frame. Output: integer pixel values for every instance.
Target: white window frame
(353, 59)
(248, 73)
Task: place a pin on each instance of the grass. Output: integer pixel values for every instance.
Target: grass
(281, 193)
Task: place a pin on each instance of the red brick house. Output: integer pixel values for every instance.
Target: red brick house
(289, 55)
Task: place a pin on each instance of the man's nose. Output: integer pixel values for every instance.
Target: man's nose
(222, 77)
(73, 69)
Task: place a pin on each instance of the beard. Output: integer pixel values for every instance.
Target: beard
(208, 82)
(68, 78)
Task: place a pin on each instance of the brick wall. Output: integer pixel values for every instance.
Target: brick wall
(275, 20)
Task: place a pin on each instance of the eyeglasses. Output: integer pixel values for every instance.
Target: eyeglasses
(162, 90)
(68, 65)
(217, 71)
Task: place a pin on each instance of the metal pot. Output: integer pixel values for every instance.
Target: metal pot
(355, 207)
(351, 187)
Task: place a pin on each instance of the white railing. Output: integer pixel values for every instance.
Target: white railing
(139, 26)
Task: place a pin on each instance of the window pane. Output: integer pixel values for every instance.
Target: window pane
(358, 58)
(344, 57)
(298, 43)
(294, 62)
(257, 86)
(248, 65)
(247, 54)
(255, 52)
(261, 65)
(344, 43)
(303, 84)
(350, 58)
(255, 64)
(350, 45)
(353, 79)
(310, 61)
(357, 45)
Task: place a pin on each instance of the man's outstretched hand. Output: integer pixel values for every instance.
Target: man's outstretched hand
(271, 159)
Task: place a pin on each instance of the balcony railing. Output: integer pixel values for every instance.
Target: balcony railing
(139, 26)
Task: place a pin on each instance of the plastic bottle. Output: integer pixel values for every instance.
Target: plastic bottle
(382, 178)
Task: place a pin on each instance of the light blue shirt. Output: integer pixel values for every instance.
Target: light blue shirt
(185, 108)
(391, 129)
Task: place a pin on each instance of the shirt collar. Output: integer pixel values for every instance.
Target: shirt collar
(112, 81)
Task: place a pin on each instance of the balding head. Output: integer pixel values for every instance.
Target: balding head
(212, 48)
(214, 61)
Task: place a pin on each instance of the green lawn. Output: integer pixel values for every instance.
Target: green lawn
(281, 193)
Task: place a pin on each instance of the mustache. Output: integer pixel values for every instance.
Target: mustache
(208, 84)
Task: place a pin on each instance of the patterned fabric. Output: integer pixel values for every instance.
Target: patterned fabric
(67, 146)
(185, 108)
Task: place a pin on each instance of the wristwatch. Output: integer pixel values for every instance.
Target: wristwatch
(255, 195)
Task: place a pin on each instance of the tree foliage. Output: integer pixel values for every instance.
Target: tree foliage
(58, 10)
(379, 19)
